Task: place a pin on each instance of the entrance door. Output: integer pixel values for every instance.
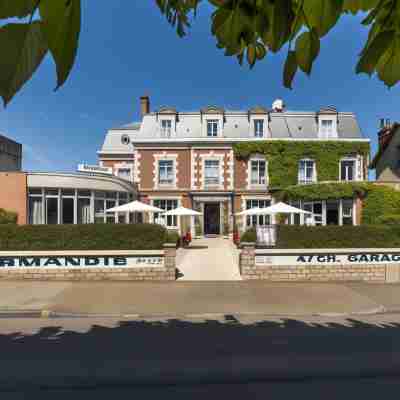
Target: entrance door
(211, 219)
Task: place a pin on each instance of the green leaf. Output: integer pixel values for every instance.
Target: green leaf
(389, 66)
(371, 55)
(290, 69)
(281, 18)
(322, 15)
(16, 8)
(62, 26)
(307, 50)
(251, 55)
(25, 48)
(354, 6)
(261, 51)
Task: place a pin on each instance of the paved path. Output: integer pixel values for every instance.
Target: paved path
(209, 259)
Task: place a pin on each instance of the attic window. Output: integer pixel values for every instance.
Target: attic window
(125, 139)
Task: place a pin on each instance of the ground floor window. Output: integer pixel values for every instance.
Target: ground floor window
(166, 205)
(74, 206)
(255, 220)
(327, 212)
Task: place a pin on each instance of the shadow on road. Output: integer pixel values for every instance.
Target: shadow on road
(152, 353)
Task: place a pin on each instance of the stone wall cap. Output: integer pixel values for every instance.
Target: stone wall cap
(81, 253)
(329, 251)
(169, 245)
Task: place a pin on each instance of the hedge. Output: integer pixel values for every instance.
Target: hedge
(8, 217)
(313, 237)
(83, 237)
(389, 219)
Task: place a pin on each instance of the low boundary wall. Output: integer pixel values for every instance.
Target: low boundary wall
(371, 265)
(136, 265)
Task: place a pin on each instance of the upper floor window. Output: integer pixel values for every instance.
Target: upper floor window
(211, 172)
(258, 172)
(307, 171)
(166, 128)
(166, 172)
(259, 128)
(212, 128)
(347, 170)
(124, 173)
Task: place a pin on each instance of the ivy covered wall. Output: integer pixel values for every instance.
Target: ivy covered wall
(283, 157)
(378, 201)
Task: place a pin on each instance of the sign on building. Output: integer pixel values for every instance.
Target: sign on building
(95, 168)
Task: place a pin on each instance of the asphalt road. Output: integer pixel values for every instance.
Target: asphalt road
(216, 356)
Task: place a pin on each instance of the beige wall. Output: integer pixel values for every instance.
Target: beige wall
(13, 195)
(387, 168)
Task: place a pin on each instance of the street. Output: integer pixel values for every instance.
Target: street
(249, 355)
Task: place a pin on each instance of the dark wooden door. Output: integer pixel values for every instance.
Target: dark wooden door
(211, 219)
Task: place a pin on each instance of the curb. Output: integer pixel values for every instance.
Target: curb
(49, 314)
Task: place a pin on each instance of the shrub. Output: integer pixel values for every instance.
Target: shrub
(173, 237)
(8, 217)
(332, 236)
(250, 236)
(389, 219)
(82, 237)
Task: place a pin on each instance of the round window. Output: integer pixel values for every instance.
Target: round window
(125, 139)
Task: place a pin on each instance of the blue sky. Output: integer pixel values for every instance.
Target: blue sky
(127, 49)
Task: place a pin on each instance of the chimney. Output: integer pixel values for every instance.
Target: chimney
(144, 105)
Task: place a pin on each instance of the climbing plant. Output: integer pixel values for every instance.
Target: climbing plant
(283, 157)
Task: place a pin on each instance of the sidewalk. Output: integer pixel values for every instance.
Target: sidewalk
(198, 298)
(209, 259)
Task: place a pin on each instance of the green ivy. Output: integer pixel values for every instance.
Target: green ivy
(324, 191)
(380, 201)
(283, 157)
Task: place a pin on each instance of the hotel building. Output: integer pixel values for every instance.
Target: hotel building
(188, 158)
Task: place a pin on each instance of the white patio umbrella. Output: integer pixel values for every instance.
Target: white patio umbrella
(281, 208)
(250, 211)
(182, 212)
(135, 207)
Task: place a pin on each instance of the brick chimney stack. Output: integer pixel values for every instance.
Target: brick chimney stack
(144, 105)
(385, 132)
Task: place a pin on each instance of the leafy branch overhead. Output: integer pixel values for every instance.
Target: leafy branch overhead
(249, 29)
(246, 29)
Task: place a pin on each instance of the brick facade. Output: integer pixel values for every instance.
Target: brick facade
(15, 186)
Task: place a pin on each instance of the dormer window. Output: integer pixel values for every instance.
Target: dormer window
(166, 128)
(212, 128)
(327, 127)
(259, 128)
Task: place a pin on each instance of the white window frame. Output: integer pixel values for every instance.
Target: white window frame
(213, 117)
(215, 124)
(210, 159)
(327, 135)
(304, 181)
(167, 198)
(251, 185)
(246, 218)
(125, 166)
(257, 133)
(355, 172)
(166, 184)
(172, 120)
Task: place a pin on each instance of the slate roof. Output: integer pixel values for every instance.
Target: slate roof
(283, 125)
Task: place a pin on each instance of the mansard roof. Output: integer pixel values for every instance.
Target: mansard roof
(285, 125)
